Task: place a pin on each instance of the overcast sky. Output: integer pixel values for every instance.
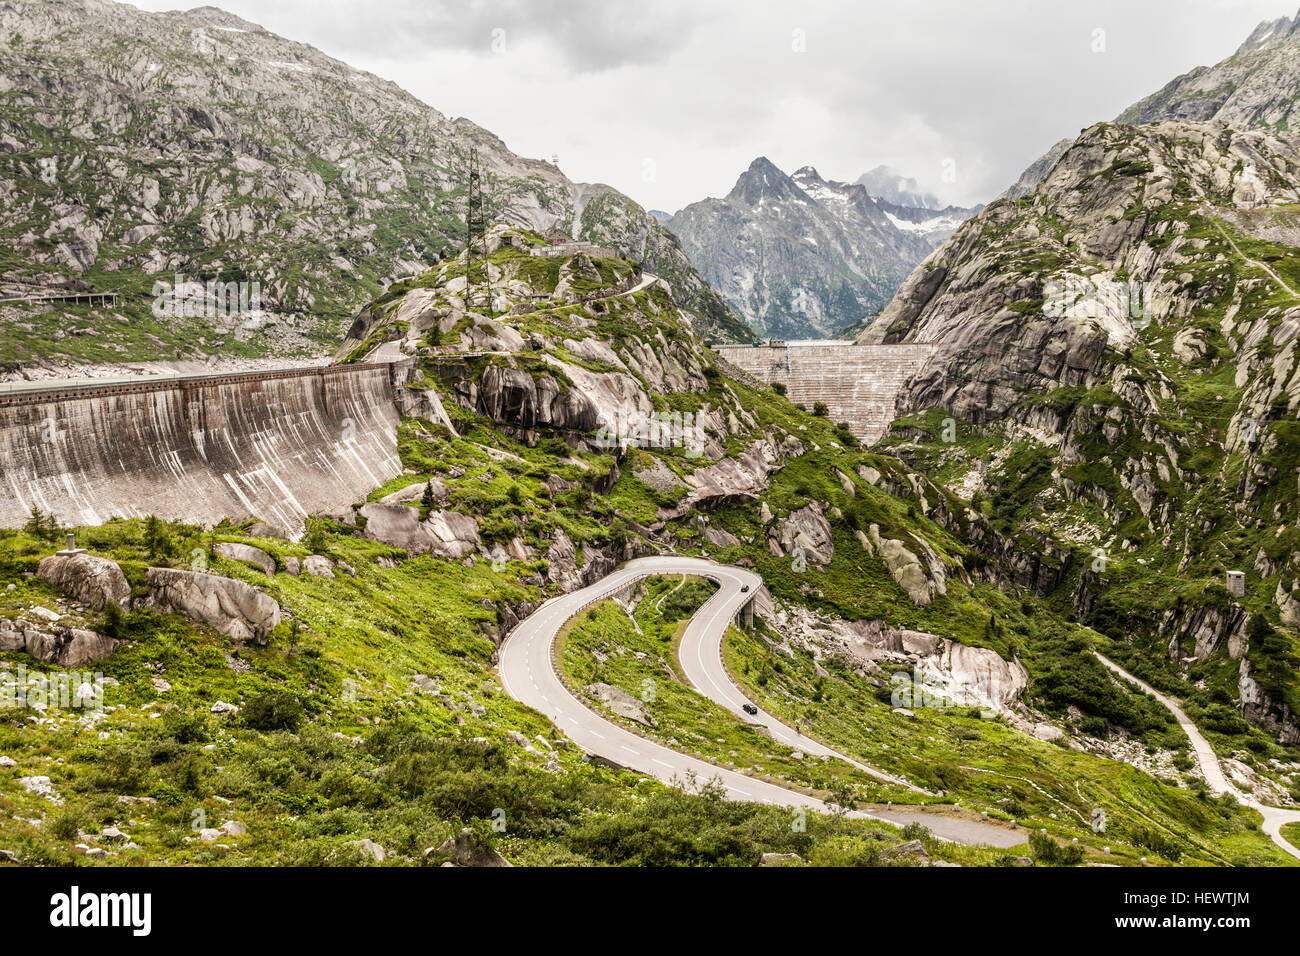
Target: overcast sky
(670, 100)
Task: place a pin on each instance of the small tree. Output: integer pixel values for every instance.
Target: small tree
(820, 410)
(35, 525)
(313, 538)
(113, 620)
(842, 798)
(157, 540)
(41, 524)
(427, 500)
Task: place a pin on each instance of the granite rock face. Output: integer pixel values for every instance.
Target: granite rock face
(64, 646)
(83, 577)
(233, 608)
(445, 534)
(1258, 87)
(808, 531)
(247, 554)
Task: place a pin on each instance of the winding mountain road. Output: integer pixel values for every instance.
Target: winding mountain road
(529, 675)
(1215, 779)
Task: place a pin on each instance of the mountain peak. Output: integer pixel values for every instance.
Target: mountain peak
(1271, 33)
(762, 180)
(808, 174)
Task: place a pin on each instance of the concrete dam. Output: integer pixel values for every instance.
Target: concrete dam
(274, 445)
(858, 383)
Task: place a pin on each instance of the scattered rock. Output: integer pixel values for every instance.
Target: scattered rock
(464, 851)
(41, 787)
(318, 566)
(912, 848)
(622, 703)
(371, 849)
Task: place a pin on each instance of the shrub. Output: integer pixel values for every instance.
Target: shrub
(272, 710)
(186, 726)
(65, 827)
(1157, 843)
(157, 539)
(42, 525)
(820, 410)
(113, 624)
(314, 538)
(916, 831)
(1046, 850)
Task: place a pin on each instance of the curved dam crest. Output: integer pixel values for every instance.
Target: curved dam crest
(273, 445)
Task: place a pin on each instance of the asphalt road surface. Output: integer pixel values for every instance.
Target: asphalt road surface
(528, 675)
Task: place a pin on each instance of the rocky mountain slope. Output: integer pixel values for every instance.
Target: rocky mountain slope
(797, 256)
(343, 706)
(138, 147)
(1118, 395)
(1257, 87)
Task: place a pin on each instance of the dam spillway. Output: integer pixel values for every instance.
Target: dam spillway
(859, 384)
(273, 445)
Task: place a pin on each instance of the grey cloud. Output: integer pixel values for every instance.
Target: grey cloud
(704, 87)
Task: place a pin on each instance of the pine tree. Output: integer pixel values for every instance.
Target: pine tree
(156, 541)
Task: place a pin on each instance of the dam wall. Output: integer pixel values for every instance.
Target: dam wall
(858, 383)
(273, 445)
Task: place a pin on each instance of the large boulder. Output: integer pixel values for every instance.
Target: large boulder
(446, 534)
(246, 554)
(233, 608)
(396, 525)
(904, 567)
(451, 534)
(318, 566)
(415, 492)
(1288, 607)
(86, 578)
(65, 646)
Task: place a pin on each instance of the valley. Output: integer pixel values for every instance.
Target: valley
(475, 516)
